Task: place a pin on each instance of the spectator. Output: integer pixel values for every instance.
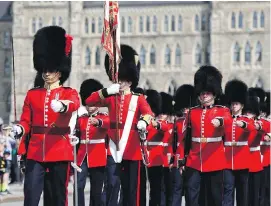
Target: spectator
(2, 163)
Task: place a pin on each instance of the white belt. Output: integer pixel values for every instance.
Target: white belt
(92, 141)
(206, 139)
(244, 143)
(265, 143)
(165, 144)
(254, 149)
(155, 143)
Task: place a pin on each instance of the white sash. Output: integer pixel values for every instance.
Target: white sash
(117, 155)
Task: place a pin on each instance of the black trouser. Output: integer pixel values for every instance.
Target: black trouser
(213, 187)
(265, 189)
(47, 190)
(177, 187)
(167, 187)
(235, 179)
(254, 188)
(97, 178)
(34, 182)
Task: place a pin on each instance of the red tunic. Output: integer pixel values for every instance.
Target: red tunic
(92, 140)
(207, 150)
(132, 149)
(236, 143)
(265, 145)
(49, 131)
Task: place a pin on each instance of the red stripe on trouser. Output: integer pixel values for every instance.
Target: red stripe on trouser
(138, 185)
(67, 183)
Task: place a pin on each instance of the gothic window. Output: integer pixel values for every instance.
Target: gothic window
(54, 21)
(178, 55)
(208, 54)
(171, 88)
(122, 24)
(100, 25)
(262, 20)
(93, 25)
(141, 24)
(8, 101)
(86, 26)
(88, 56)
(198, 54)
(154, 24)
(148, 24)
(180, 23)
(97, 56)
(146, 85)
(247, 53)
(259, 83)
(236, 53)
(130, 24)
(60, 21)
(196, 23)
(233, 20)
(172, 23)
(166, 23)
(240, 20)
(40, 23)
(209, 22)
(7, 67)
(34, 29)
(167, 56)
(258, 52)
(203, 22)
(255, 19)
(152, 55)
(6, 38)
(142, 55)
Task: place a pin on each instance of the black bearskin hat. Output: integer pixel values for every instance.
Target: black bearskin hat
(252, 105)
(39, 81)
(236, 91)
(267, 103)
(167, 103)
(154, 99)
(209, 79)
(139, 90)
(260, 93)
(49, 51)
(184, 97)
(87, 87)
(129, 67)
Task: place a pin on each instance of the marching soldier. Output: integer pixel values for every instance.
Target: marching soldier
(91, 125)
(236, 146)
(124, 144)
(46, 115)
(206, 160)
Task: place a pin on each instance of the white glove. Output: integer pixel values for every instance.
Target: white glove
(141, 125)
(56, 106)
(17, 130)
(113, 89)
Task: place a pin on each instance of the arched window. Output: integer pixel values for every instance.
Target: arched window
(143, 55)
(203, 22)
(166, 23)
(86, 26)
(141, 22)
(236, 53)
(54, 21)
(88, 57)
(130, 24)
(60, 21)
(198, 54)
(233, 20)
(93, 25)
(34, 29)
(154, 24)
(178, 55)
(172, 23)
(167, 56)
(240, 20)
(6, 38)
(8, 101)
(209, 22)
(197, 22)
(208, 54)
(148, 24)
(255, 19)
(40, 23)
(259, 83)
(146, 85)
(97, 56)
(7, 67)
(122, 24)
(262, 19)
(258, 52)
(152, 55)
(100, 25)
(172, 88)
(180, 23)
(247, 53)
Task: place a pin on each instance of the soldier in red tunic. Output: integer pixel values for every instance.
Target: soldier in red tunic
(46, 114)
(124, 142)
(206, 160)
(236, 145)
(91, 125)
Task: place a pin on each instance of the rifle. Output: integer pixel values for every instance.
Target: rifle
(175, 142)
